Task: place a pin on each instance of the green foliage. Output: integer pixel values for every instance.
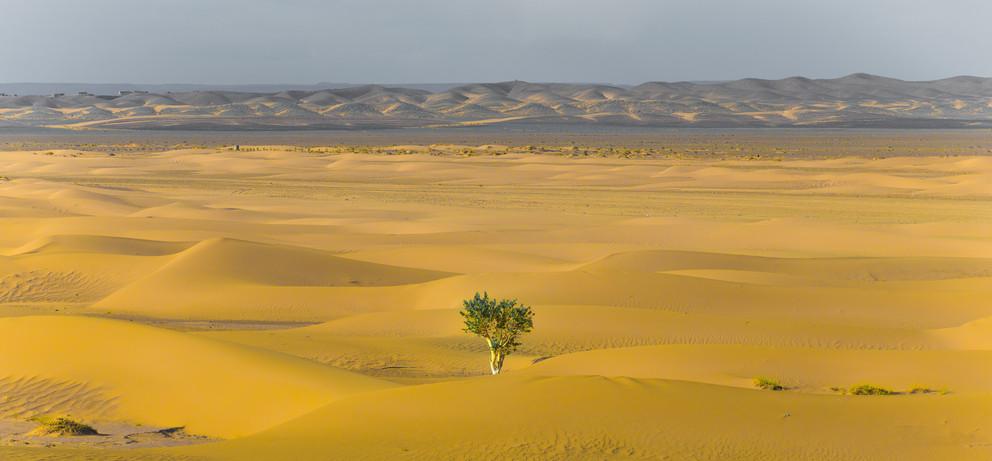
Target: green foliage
(500, 322)
(870, 389)
(62, 426)
(768, 384)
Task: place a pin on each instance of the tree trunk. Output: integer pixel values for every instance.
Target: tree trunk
(495, 361)
(495, 358)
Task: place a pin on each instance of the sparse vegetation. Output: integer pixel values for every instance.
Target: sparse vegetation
(499, 322)
(870, 389)
(768, 384)
(927, 390)
(63, 426)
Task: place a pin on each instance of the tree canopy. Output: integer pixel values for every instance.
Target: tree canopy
(500, 322)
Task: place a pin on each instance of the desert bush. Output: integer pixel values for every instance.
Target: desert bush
(870, 389)
(63, 426)
(768, 384)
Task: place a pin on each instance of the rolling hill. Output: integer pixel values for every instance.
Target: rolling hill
(857, 100)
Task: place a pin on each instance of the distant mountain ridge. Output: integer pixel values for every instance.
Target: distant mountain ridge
(36, 88)
(857, 100)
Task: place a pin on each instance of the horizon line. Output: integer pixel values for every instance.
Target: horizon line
(577, 82)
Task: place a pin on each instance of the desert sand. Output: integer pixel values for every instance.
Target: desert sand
(288, 303)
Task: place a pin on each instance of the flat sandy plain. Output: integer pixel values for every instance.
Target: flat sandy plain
(289, 302)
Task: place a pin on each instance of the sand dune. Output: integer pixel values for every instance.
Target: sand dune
(228, 279)
(974, 335)
(274, 265)
(303, 300)
(824, 269)
(426, 344)
(806, 370)
(160, 377)
(646, 419)
(100, 244)
(918, 303)
(463, 259)
(857, 100)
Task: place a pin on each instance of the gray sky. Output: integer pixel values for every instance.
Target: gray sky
(414, 41)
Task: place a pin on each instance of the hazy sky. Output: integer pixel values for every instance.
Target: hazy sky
(415, 41)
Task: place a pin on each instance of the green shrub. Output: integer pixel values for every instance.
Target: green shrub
(768, 384)
(870, 389)
(62, 426)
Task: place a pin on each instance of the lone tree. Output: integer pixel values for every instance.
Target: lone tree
(499, 322)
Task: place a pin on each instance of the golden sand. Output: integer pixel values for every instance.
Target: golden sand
(303, 304)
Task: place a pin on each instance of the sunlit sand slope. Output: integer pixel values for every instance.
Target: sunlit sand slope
(109, 369)
(816, 370)
(232, 279)
(593, 417)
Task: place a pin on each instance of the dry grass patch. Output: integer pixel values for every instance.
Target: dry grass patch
(62, 426)
(870, 389)
(768, 384)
